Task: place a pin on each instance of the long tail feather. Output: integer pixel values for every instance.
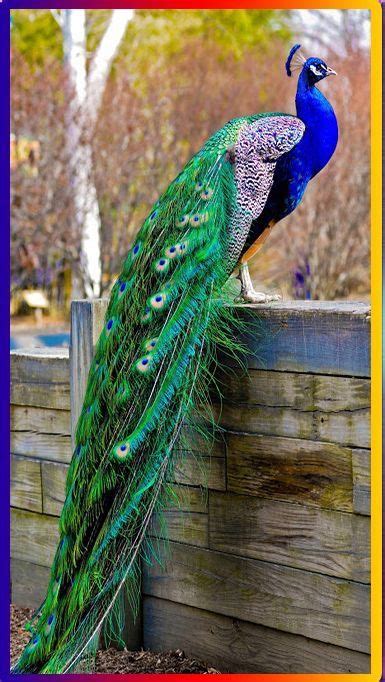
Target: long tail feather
(166, 315)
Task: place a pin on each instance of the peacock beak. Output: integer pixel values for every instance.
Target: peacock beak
(330, 72)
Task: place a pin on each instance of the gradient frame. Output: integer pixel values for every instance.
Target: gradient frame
(376, 299)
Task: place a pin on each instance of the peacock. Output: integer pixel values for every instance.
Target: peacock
(169, 311)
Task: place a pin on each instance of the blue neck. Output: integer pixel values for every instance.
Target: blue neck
(321, 133)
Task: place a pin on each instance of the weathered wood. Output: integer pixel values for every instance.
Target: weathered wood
(305, 392)
(52, 446)
(86, 324)
(281, 570)
(333, 610)
(205, 471)
(334, 409)
(330, 542)
(292, 470)
(361, 481)
(236, 646)
(275, 421)
(54, 477)
(40, 420)
(40, 378)
(26, 484)
(190, 499)
(34, 537)
(347, 428)
(187, 527)
(321, 337)
(213, 445)
(29, 583)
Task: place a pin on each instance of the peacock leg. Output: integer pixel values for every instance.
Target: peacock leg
(248, 294)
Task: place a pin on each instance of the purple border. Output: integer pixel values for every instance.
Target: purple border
(4, 340)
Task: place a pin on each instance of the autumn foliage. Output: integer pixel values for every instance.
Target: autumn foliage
(155, 115)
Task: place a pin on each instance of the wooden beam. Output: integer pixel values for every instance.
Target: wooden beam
(29, 583)
(320, 540)
(26, 484)
(305, 392)
(289, 599)
(333, 409)
(295, 470)
(86, 324)
(204, 471)
(34, 537)
(54, 477)
(40, 378)
(236, 646)
(40, 420)
(50, 446)
(187, 527)
(321, 337)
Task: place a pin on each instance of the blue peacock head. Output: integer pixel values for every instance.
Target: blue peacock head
(314, 68)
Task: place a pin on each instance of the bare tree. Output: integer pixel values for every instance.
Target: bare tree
(87, 88)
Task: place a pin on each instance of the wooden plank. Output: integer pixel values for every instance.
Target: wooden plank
(335, 409)
(276, 421)
(26, 484)
(188, 498)
(329, 542)
(321, 337)
(40, 378)
(292, 470)
(187, 527)
(236, 646)
(86, 324)
(289, 599)
(29, 583)
(201, 471)
(54, 477)
(33, 537)
(305, 392)
(350, 428)
(40, 420)
(190, 440)
(50, 446)
(361, 481)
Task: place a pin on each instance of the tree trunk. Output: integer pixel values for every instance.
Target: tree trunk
(85, 100)
(80, 155)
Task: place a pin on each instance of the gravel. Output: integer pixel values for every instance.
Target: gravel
(112, 660)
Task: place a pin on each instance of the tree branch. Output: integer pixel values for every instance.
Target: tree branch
(102, 60)
(58, 17)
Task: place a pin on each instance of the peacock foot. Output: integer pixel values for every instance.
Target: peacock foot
(248, 294)
(251, 296)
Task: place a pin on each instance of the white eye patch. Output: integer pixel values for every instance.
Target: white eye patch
(318, 72)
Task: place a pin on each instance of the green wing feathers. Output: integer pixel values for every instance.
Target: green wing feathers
(165, 314)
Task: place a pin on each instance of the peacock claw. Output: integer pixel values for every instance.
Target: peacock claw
(251, 296)
(248, 295)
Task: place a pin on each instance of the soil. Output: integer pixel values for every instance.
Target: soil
(111, 660)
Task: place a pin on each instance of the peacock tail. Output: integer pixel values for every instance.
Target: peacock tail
(166, 317)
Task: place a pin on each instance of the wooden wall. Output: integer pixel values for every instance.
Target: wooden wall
(268, 571)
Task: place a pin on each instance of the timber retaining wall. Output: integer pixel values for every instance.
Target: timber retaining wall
(268, 571)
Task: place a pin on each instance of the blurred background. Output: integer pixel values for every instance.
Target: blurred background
(107, 106)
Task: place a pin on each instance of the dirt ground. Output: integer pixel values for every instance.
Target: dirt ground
(111, 660)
